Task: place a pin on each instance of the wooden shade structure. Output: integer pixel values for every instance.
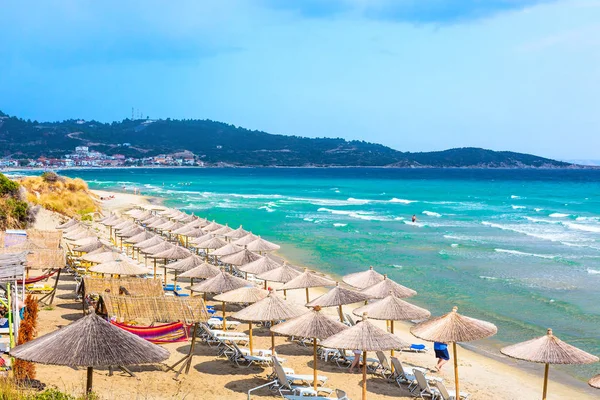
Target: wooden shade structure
(90, 342)
(338, 297)
(313, 324)
(202, 271)
(248, 294)
(595, 382)
(270, 309)
(383, 288)
(453, 328)
(364, 279)
(548, 349)
(222, 282)
(200, 239)
(91, 246)
(306, 280)
(364, 336)
(211, 244)
(260, 245)
(140, 237)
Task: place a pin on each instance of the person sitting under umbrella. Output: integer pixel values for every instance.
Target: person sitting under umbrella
(441, 353)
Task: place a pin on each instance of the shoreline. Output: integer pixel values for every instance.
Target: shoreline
(487, 362)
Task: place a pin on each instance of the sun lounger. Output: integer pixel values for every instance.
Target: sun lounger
(238, 357)
(383, 367)
(216, 323)
(423, 387)
(416, 348)
(288, 383)
(406, 375)
(446, 394)
(346, 361)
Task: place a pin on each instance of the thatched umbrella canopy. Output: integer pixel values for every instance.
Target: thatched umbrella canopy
(202, 238)
(67, 224)
(186, 264)
(306, 280)
(338, 297)
(595, 382)
(72, 228)
(313, 324)
(153, 251)
(211, 244)
(240, 258)
(247, 295)
(172, 253)
(548, 349)
(149, 243)
(453, 328)
(237, 234)
(227, 250)
(79, 234)
(213, 226)
(133, 231)
(185, 219)
(104, 249)
(222, 282)
(93, 343)
(85, 240)
(100, 258)
(157, 223)
(170, 226)
(106, 217)
(140, 237)
(364, 336)
(113, 221)
(202, 271)
(150, 220)
(245, 240)
(222, 231)
(261, 265)
(270, 309)
(391, 309)
(194, 233)
(120, 266)
(364, 279)
(124, 225)
(262, 246)
(91, 246)
(283, 274)
(144, 214)
(383, 288)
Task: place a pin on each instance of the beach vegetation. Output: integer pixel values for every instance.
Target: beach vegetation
(10, 391)
(14, 212)
(25, 370)
(70, 197)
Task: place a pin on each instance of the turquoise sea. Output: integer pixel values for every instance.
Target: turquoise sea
(519, 248)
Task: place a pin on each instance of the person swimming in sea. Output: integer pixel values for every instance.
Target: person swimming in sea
(414, 218)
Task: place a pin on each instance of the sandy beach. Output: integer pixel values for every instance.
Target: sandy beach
(215, 378)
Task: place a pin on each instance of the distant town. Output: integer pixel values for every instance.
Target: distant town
(84, 157)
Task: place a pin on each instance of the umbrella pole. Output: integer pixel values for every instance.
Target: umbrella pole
(191, 284)
(315, 363)
(457, 388)
(250, 334)
(273, 338)
(341, 312)
(175, 282)
(364, 382)
(392, 332)
(265, 285)
(155, 268)
(285, 294)
(307, 299)
(165, 272)
(224, 318)
(547, 367)
(90, 377)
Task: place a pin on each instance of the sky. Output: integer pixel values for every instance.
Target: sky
(416, 75)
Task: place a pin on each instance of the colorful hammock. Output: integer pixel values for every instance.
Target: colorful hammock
(37, 278)
(167, 333)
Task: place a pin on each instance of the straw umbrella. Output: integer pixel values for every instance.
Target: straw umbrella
(245, 240)
(104, 249)
(452, 328)
(91, 246)
(383, 288)
(391, 308)
(261, 245)
(93, 343)
(306, 280)
(240, 258)
(173, 253)
(227, 250)
(211, 244)
(201, 271)
(313, 324)
(595, 382)
(338, 297)
(259, 266)
(244, 295)
(144, 244)
(68, 224)
(139, 238)
(120, 267)
(283, 274)
(364, 336)
(364, 279)
(85, 240)
(222, 282)
(237, 233)
(152, 251)
(222, 231)
(548, 349)
(202, 238)
(100, 258)
(213, 226)
(270, 309)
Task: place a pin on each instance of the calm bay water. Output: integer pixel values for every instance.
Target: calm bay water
(519, 248)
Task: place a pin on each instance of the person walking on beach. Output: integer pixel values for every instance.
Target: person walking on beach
(356, 361)
(441, 353)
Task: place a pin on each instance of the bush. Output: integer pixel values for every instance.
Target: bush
(8, 187)
(50, 177)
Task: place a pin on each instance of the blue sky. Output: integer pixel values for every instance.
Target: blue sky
(416, 75)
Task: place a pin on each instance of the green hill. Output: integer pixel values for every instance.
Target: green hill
(217, 142)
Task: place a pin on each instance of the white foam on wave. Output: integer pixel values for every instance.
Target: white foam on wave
(515, 197)
(538, 209)
(364, 215)
(417, 224)
(593, 271)
(558, 215)
(454, 245)
(402, 201)
(397, 266)
(266, 208)
(542, 221)
(431, 213)
(308, 219)
(352, 200)
(593, 219)
(553, 237)
(488, 278)
(256, 196)
(339, 225)
(521, 253)
(398, 218)
(518, 207)
(582, 227)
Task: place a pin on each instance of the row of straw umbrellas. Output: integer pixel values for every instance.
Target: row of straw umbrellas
(221, 243)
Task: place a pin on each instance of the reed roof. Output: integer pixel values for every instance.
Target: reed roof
(124, 225)
(202, 238)
(173, 253)
(245, 240)
(213, 226)
(150, 220)
(105, 248)
(383, 288)
(227, 250)
(548, 349)
(133, 231)
(170, 226)
(263, 264)
(364, 279)
(364, 336)
(392, 308)
(153, 241)
(86, 240)
(248, 294)
(211, 244)
(79, 234)
(237, 233)
(112, 221)
(157, 223)
(313, 324)
(308, 279)
(194, 233)
(240, 258)
(203, 271)
(135, 286)
(67, 224)
(91, 246)
(140, 237)
(120, 267)
(100, 258)
(271, 308)
(453, 327)
(156, 249)
(187, 263)
(90, 342)
(222, 231)
(338, 296)
(261, 245)
(284, 274)
(220, 283)
(156, 309)
(595, 382)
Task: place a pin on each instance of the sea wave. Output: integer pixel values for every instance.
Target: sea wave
(593, 271)
(593, 219)
(558, 215)
(521, 253)
(538, 209)
(518, 207)
(339, 225)
(431, 213)
(417, 224)
(402, 201)
(515, 197)
(543, 221)
(266, 208)
(364, 215)
(582, 227)
(553, 237)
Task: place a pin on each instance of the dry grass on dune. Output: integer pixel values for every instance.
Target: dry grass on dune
(70, 197)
